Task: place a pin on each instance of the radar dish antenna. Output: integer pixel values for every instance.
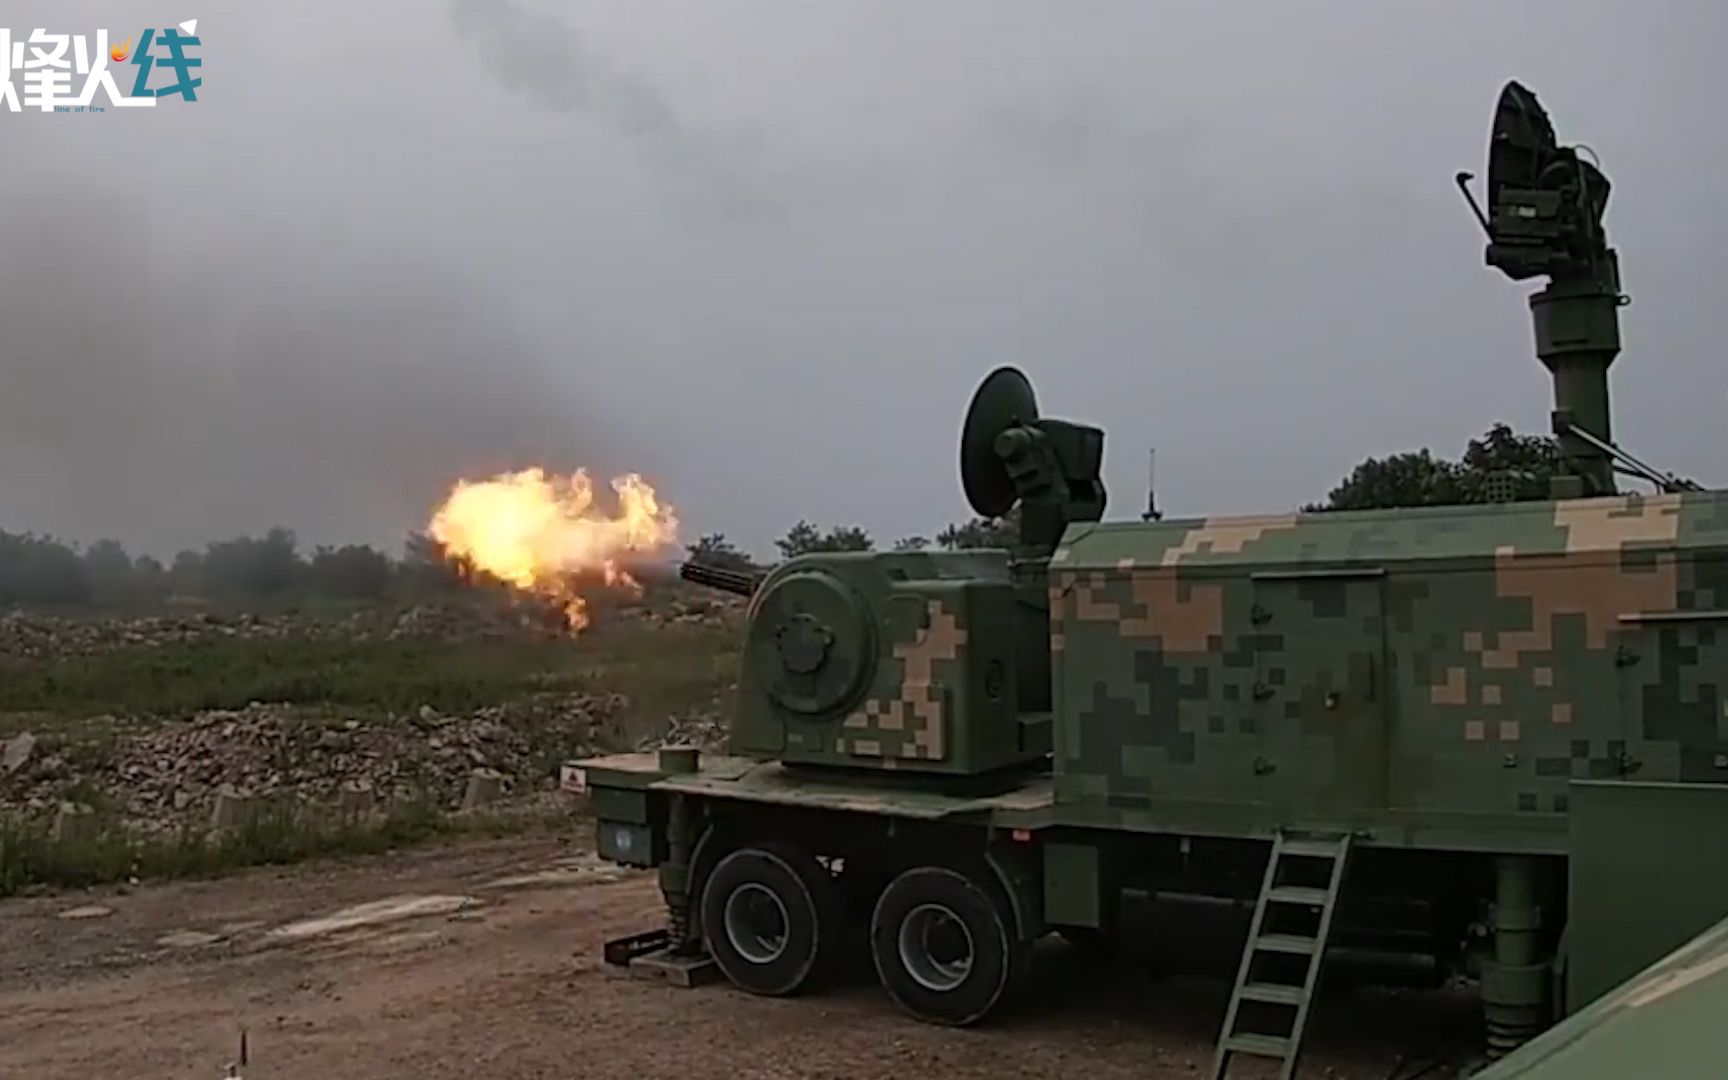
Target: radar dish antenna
(1003, 401)
(1520, 143)
(1545, 202)
(1544, 219)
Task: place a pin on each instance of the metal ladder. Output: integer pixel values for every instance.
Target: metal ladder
(1280, 968)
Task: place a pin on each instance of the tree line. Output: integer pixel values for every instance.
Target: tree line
(40, 570)
(47, 572)
(805, 537)
(1500, 465)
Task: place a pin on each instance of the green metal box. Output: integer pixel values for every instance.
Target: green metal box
(899, 660)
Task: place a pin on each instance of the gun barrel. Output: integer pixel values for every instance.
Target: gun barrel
(736, 582)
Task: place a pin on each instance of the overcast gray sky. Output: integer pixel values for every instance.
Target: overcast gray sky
(763, 251)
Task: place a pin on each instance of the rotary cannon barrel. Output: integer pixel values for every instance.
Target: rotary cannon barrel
(736, 582)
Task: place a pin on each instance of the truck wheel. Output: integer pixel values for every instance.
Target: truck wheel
(944, 946)
(770, 917)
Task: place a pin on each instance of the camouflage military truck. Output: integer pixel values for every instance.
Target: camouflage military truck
(1493, 733)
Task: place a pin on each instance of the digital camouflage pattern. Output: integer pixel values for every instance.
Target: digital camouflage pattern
(1446, 668)
(883, 661)
(906, 713)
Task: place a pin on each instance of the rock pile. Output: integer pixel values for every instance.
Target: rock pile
(30, 636)
(455, 623)
(162, 772)
(705, 731)
(171, 774)
(700, 609)
(38, 637)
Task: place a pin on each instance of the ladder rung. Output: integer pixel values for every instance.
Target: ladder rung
(1330, 847)
(1273, 993)
(1285, 943)
(1297, 894)
(1272, 1046)
(1313, 848)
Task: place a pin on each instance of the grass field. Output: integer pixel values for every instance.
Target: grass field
(662, 670)
(31, 855)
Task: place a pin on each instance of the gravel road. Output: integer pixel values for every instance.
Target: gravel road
(482, 960)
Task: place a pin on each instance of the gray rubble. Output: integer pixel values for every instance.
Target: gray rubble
(32, 636)
(175, 772)
(164, 772)
(705, 731)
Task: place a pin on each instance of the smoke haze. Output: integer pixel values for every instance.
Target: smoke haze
(762, 252)
(333, 391)
(542, 58)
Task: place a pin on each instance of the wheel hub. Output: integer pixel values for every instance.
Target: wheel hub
(936, 947)
(756, 923)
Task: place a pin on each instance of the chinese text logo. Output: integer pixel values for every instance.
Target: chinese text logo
(37, 71)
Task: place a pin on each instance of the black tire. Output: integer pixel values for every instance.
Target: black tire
(771, 919)
(926, 920)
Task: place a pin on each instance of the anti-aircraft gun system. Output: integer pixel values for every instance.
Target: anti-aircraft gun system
(932, 663)
(1492, 735)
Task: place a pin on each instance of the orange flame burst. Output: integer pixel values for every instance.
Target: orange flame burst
(121, 51)
(545, 535)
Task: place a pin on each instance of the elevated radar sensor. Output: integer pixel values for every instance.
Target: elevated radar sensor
(1545, 207)
(1545, 202)
(1003, 401)
(1009, 455)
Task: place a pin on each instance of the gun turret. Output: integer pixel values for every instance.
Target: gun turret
(736, 582)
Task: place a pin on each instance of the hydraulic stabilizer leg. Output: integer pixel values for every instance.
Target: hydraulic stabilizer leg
(1516, 980)
(675, 872)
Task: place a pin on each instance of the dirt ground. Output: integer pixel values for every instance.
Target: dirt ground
(483, 960)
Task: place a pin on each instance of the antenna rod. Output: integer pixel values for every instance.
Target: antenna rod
(1463, 181)
(1152, 512)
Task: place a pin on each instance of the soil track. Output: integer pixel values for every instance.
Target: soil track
(482, 960)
